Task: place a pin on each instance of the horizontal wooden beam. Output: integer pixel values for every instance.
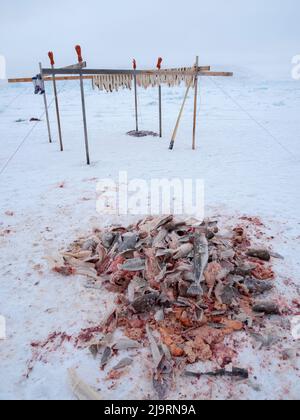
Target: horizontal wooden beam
(49, 79)
(216, 73)
(201, 68)
(88, 74)
(54, 72)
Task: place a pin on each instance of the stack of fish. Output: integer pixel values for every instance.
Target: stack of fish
(182, 288)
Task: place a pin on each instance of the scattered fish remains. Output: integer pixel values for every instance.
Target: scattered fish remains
(182, 287)
(139, 134)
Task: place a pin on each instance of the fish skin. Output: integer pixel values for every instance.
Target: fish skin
(126, 344)
(106, 356)
(128, 242)
(135, 264)
(159, 240)
(261, 254)
(269, 308)
(123, 363)
(257, 287)
(145, 303)
(153, 269)
(183, 251)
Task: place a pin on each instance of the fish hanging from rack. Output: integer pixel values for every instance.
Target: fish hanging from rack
(114, 82)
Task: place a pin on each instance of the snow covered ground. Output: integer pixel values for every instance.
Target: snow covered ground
(248, 155)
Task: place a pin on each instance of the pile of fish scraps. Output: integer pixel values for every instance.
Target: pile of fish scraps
(182, 288)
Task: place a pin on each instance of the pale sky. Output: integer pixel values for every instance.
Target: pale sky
(262, 34)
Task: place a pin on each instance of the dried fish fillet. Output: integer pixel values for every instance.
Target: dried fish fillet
(201, 256)
(145, 303)
(261, 254)
(135, 264)
(128, 242)
(269, 308)
(107, 354)
(183, 252)
(257, 287)
(156, 354)
(126, 344)
(123, 364)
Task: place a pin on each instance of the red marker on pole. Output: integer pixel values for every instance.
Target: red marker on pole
(51, 57)
(79, 54)
(159, 63)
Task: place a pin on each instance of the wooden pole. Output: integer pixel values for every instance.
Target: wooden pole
(179, 117)
(46, 105)
(160, 99)
(195, 105)
(80, 60)
(51, 56)
(135, 98)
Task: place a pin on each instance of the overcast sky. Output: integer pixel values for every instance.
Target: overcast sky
(262, 34)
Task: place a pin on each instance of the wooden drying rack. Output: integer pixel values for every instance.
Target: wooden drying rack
(81, 73)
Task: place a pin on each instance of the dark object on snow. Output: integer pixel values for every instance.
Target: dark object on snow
(145, 303)
(261, 254)
(269, 308)
(20, 120)
(106, 356)
(94, 350)
(257, 287)
(235, 373)
(139, 134)
(34, 120)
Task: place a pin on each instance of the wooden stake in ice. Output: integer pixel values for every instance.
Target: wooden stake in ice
(46, 106)
(51, 57)
(183, 105)
(80, 61)
(195, 104)
(160, 99)
(135, 98)
(180, 115)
